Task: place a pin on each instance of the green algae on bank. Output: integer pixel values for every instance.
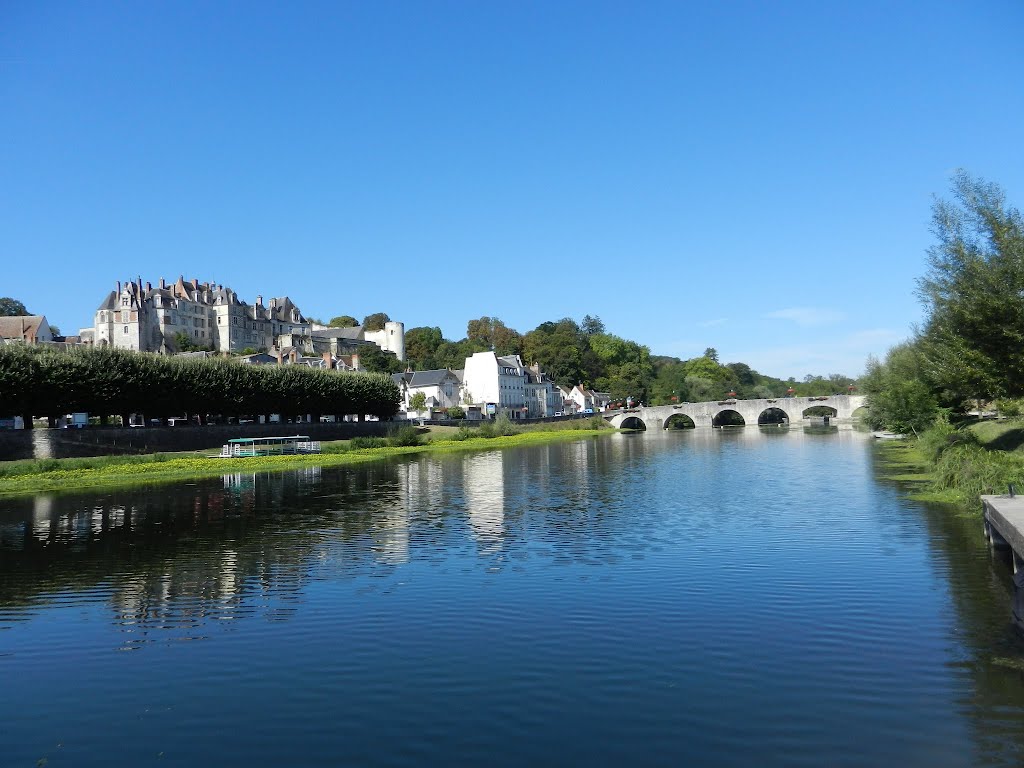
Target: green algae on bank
(72, 476)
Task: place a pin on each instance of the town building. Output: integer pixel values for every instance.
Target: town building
(341, 341)
(504, 384)
(441, 389)
(25, 329)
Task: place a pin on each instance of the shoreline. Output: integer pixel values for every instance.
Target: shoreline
(162, 469)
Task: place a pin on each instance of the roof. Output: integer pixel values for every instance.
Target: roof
(430, 378)
(339, 333)
(18, 326)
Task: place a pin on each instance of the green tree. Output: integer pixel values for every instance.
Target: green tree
(376, 360)
(11, 307)
(418, 402)
(343, 321)
(421, 345)
(591, 325)
(375, 322)
(492, 333)
(973, 294)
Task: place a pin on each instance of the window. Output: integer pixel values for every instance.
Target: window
(126, 329)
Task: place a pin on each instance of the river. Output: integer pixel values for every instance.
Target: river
(712, 597)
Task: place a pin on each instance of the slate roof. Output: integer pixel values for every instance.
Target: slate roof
(429, 378)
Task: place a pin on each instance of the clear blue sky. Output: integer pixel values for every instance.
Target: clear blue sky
(753, 176)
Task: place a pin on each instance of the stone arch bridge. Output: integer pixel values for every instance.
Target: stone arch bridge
(706, 414)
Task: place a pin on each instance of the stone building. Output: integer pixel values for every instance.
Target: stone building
(148, 319)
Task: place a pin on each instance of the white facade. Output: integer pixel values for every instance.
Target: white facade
(391, 338)
(440, 389)
(508, 385)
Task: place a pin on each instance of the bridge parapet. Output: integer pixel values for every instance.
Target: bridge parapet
(703, 414)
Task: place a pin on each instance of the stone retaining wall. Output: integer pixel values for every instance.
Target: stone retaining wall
(105, 441)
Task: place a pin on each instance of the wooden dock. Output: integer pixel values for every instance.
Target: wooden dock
(1004, 529)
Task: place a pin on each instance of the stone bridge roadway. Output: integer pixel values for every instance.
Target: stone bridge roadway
(703, 414)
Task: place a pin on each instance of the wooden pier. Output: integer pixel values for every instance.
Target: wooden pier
(1004, 529)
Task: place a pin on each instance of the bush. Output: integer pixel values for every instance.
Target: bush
(941, 436)
(358, 443)
(486, 430)
(504, 427)
(1010, 408)
(403, 436)
(464, 433)
(455, 412)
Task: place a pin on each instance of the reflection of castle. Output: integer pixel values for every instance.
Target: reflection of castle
(484, 491)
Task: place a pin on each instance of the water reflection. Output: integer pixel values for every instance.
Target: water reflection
(619, 578)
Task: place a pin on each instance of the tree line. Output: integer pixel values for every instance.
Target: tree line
(969, 351)
(44, 382)
(585, 353)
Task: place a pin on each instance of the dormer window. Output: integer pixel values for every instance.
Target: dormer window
(124, 302)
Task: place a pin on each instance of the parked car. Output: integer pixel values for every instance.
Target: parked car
(588, 410)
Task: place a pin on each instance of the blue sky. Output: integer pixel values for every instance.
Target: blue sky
(753, 176)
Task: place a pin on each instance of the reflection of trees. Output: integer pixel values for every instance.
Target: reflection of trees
(175, 558)
(981, 586)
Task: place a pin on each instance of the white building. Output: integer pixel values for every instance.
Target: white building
(504, 384)
(440, 388)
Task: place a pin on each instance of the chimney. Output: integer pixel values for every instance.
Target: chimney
(279, 360)
(293, 356)
(328, 362)
(259, 301)
(163, 283)
(149, 286)
(196, 281)
(355, 362)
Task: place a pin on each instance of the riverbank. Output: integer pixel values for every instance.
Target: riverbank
(69, 475)
(955, 466)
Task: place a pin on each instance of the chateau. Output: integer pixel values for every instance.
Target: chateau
(148, 319)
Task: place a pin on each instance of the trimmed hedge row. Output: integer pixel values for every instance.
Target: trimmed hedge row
(40, 381)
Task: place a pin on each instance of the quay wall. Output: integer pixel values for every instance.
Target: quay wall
(106, 441)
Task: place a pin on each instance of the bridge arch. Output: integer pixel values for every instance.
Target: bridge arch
(632, 422)
(727, 417)
(819, 411)
(680, 421)
(773, 415)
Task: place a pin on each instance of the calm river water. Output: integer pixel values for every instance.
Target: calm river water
(714, 597)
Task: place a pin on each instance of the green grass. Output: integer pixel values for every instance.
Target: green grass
(999, 435)
(19, 478)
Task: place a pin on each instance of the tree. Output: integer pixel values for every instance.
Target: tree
(376, 360)
(591, 325)
(455, 412)
(973, 293)
(343, 321)
(711, 354)
(375, 322)
(492, 333)
(421, 345)
(418, 402)
(11, 307)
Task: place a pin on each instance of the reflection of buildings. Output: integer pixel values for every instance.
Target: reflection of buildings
(484, 491)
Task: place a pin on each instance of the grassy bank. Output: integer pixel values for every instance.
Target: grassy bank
(19, 478)
(957, 465)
